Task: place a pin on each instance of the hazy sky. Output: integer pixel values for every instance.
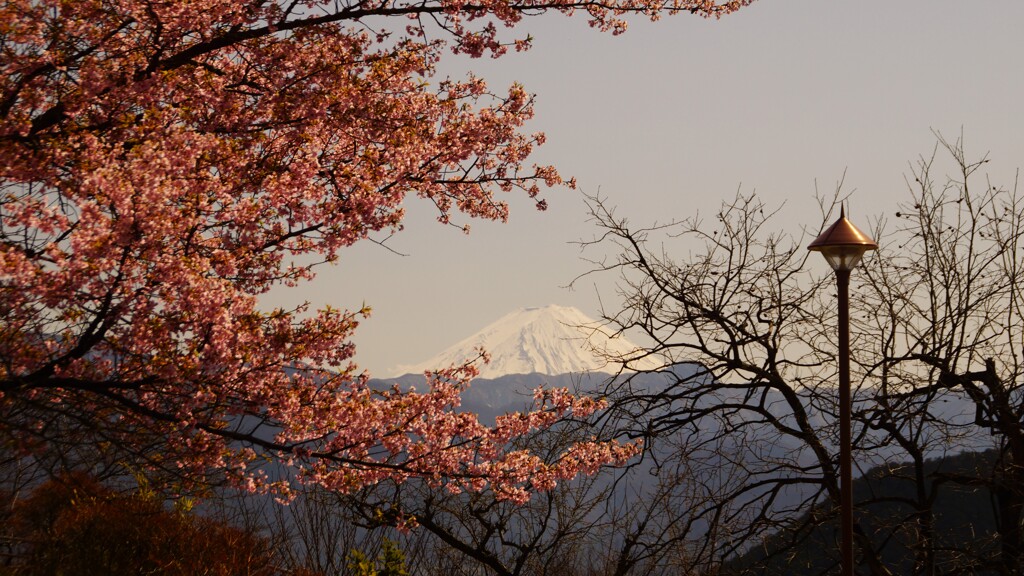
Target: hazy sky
(672, 118)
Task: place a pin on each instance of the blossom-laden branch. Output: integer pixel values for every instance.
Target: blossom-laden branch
(163, 164)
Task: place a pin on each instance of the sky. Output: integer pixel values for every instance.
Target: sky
(672, 118)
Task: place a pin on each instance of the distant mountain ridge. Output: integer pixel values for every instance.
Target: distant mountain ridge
(549, 340)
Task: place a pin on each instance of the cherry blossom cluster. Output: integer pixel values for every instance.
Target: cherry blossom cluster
(163, 164)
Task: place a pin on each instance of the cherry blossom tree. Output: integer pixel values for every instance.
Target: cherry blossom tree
(163, 164)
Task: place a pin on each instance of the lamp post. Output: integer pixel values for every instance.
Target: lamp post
(843, 245)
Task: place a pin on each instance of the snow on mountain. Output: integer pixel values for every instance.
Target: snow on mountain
(548, 340)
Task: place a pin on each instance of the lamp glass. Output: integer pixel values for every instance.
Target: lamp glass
(843, 257)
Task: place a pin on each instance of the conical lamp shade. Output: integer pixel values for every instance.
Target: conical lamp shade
(842, 244)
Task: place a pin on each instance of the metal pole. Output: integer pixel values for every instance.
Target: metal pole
(845, 452)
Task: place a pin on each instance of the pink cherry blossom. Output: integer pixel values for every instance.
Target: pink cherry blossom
(163, 164)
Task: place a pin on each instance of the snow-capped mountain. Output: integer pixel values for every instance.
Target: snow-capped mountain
(547, 340)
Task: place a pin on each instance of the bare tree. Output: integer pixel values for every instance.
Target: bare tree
(730, 310)
(936, 327)
(946, 330)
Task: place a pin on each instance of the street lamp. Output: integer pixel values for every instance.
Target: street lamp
(843, 245)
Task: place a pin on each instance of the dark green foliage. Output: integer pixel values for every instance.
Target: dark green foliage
(390, 562)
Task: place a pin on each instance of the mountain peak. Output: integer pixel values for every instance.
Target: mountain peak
(547, 340)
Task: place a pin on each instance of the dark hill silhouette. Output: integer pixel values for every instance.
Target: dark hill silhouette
(964, 520)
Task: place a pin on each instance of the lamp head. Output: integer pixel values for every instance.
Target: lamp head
(842, 244)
